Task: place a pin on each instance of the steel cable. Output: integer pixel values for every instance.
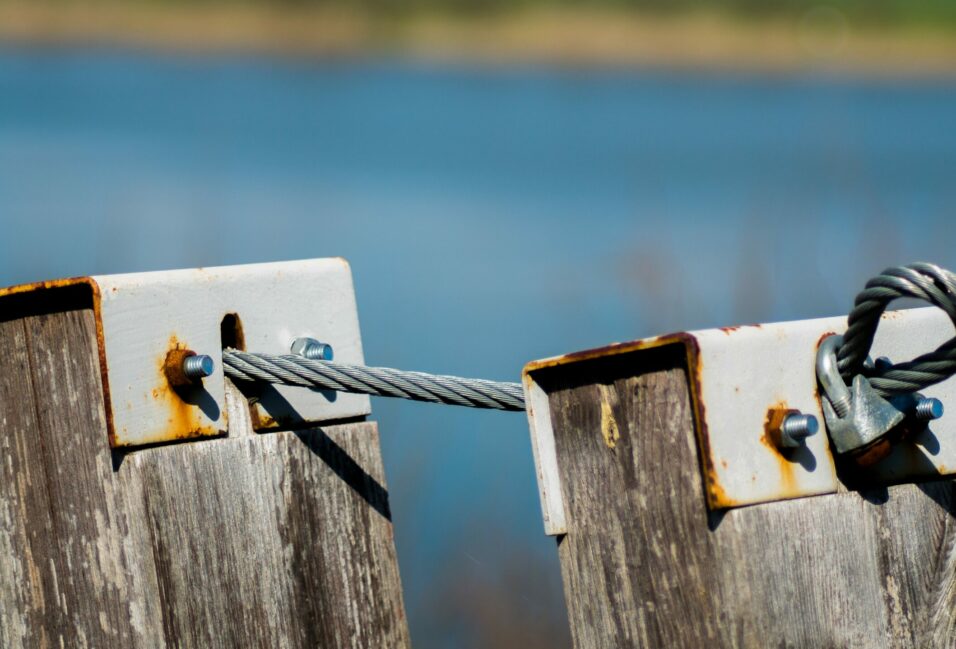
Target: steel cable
(922, 281)
(377, 381)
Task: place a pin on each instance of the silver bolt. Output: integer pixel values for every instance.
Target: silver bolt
(198, 366)
(312, 349)
(796, 428)
(928, 408)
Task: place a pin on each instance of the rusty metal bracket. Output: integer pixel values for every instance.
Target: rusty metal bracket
(739, 377)
(142, 318)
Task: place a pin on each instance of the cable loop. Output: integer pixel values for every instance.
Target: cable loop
(922, 281)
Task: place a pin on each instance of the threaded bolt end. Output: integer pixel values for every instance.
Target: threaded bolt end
(841, 407)
(312, 349)
(198, 366)
(318, 352)
(796, 428)
(928, 408)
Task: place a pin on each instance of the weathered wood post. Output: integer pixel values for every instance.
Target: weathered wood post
(647, 453)
(212, 534)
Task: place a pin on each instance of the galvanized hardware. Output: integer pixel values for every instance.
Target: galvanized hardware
(795, 429)
(870, 418)
(146, 323)
(919, 412)
(198, 366)
(829, 376)
(855, 419)
(743, 381)
(184, 367)
(928, 409)
(863, 424)
(312, 349)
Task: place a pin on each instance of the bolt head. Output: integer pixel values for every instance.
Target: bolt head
(312, 349)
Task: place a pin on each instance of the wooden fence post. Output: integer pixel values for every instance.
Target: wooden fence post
(273, 540)
(646, 564)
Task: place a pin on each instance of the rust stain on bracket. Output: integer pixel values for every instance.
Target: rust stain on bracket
(145, 322)
(57, 286)
(741, 380)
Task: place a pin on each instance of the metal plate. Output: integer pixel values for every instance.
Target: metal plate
(140, 317)
(739, 376)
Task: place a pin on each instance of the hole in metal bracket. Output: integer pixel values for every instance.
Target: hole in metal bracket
(230, 332)
(232, 336)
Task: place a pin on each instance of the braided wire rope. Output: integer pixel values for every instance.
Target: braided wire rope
(377, 381)
(922, 281)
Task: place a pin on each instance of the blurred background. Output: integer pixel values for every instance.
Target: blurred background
(509, 181)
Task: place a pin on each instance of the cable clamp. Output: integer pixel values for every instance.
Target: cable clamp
(855, 417)
(859, 421)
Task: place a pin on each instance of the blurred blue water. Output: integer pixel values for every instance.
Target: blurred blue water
(491, 216)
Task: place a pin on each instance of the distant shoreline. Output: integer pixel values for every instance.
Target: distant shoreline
(575, 38)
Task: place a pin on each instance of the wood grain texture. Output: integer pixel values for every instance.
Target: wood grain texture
(274, 540)
(646, 565)
(74, 559)
(286, 535)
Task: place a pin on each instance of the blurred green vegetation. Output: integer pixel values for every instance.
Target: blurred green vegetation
(863, 13)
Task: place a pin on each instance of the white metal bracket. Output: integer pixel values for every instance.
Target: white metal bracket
(141, 317)
(738, 378)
